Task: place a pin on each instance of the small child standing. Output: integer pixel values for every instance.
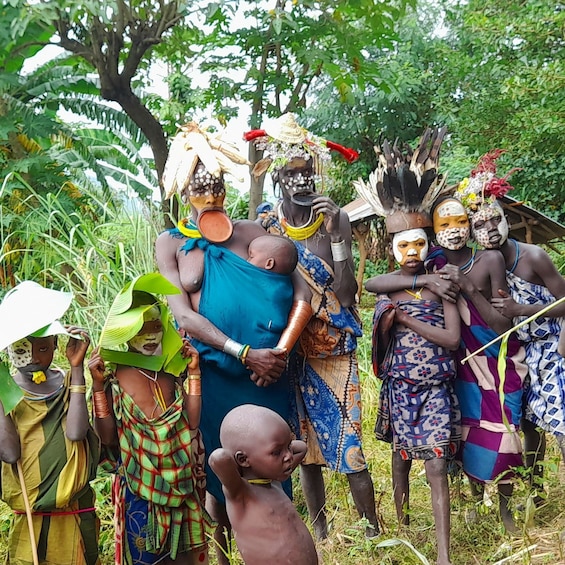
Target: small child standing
(257, 454)
(148, 424)
(414, 333)
(273, 253)
(47, 433)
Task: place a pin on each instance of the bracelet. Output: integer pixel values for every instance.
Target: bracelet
(298, 319)
(243, 356)
(414, 282)
(339, 251)
(194, 377)
(79, 389)
(100, 404)
(194, 387)
(233, 348)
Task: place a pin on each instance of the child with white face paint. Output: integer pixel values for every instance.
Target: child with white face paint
(145, 416)
(410, 245)
(47, 432)
(418, 383)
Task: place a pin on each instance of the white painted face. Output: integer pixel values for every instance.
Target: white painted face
(20, 353)
(150, 335)
(410, 245)
(451, 225)
(489, 226)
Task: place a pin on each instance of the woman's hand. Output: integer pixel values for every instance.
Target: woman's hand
(97, 367)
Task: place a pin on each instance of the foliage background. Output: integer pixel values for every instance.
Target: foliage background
(76, 209)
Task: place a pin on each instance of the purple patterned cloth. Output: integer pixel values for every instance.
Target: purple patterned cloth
(418, 410)
(491, 445)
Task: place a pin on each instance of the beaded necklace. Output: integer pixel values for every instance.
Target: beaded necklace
(300, 233)
(466, 268)
(187, 227)
(259, 481)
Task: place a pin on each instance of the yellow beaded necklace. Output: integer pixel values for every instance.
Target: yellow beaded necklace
(259, 481)
(187, 227)
(302, 232)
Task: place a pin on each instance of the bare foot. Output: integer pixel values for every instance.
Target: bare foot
(372, 531)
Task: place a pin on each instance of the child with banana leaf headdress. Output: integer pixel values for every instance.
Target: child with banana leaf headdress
(45, 433)
(414, 331)
(146, 400)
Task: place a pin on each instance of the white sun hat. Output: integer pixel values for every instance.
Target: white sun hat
(30, 308)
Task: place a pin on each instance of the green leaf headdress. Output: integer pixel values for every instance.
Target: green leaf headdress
(124, 322)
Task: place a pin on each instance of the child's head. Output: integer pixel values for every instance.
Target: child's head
(274, 253)
(410, 247)
(260, 441)
(149, 337)
(32, 354)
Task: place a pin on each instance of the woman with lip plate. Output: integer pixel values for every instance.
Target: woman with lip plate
(148, 425)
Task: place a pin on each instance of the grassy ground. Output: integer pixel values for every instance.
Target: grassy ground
(473, 542)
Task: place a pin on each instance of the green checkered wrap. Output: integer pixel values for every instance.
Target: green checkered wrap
(157, 462)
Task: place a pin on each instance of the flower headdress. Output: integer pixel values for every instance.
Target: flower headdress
(284, 140)
(406, 183)
(483, 187)
(192, 144)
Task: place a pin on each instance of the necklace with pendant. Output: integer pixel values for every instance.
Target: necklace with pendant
(156, 390)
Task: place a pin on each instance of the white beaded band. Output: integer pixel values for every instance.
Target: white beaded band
(233, 348)
(339, 251)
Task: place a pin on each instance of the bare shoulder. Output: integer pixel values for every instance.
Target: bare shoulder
(534, 252)
(247, 230)
(491, 257)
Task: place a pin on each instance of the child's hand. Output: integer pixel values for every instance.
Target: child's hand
(96, 366)
(76, 348)
(189, 352)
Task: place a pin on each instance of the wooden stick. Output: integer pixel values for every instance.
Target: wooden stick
(28, 513)
(517, 326)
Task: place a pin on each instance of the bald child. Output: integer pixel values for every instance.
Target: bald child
(274, 253)
(257, 454)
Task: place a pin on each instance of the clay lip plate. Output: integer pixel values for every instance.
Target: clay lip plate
(215, 225)
(304, 198)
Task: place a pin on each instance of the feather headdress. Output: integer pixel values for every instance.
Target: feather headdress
(405, 183)
(284, 140)
(483, 187)
(192, 144)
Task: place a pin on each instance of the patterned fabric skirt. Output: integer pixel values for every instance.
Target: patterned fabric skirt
(418, 410)
(329, 411)
(545, 390)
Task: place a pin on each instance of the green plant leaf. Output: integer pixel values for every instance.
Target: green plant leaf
(10, 392)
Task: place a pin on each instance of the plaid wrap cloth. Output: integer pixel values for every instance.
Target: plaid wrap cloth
(158, 465)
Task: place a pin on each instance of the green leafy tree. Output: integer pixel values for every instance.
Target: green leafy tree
(501, 75)
(273, 59)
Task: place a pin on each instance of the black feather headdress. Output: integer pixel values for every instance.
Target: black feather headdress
(406, 182)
